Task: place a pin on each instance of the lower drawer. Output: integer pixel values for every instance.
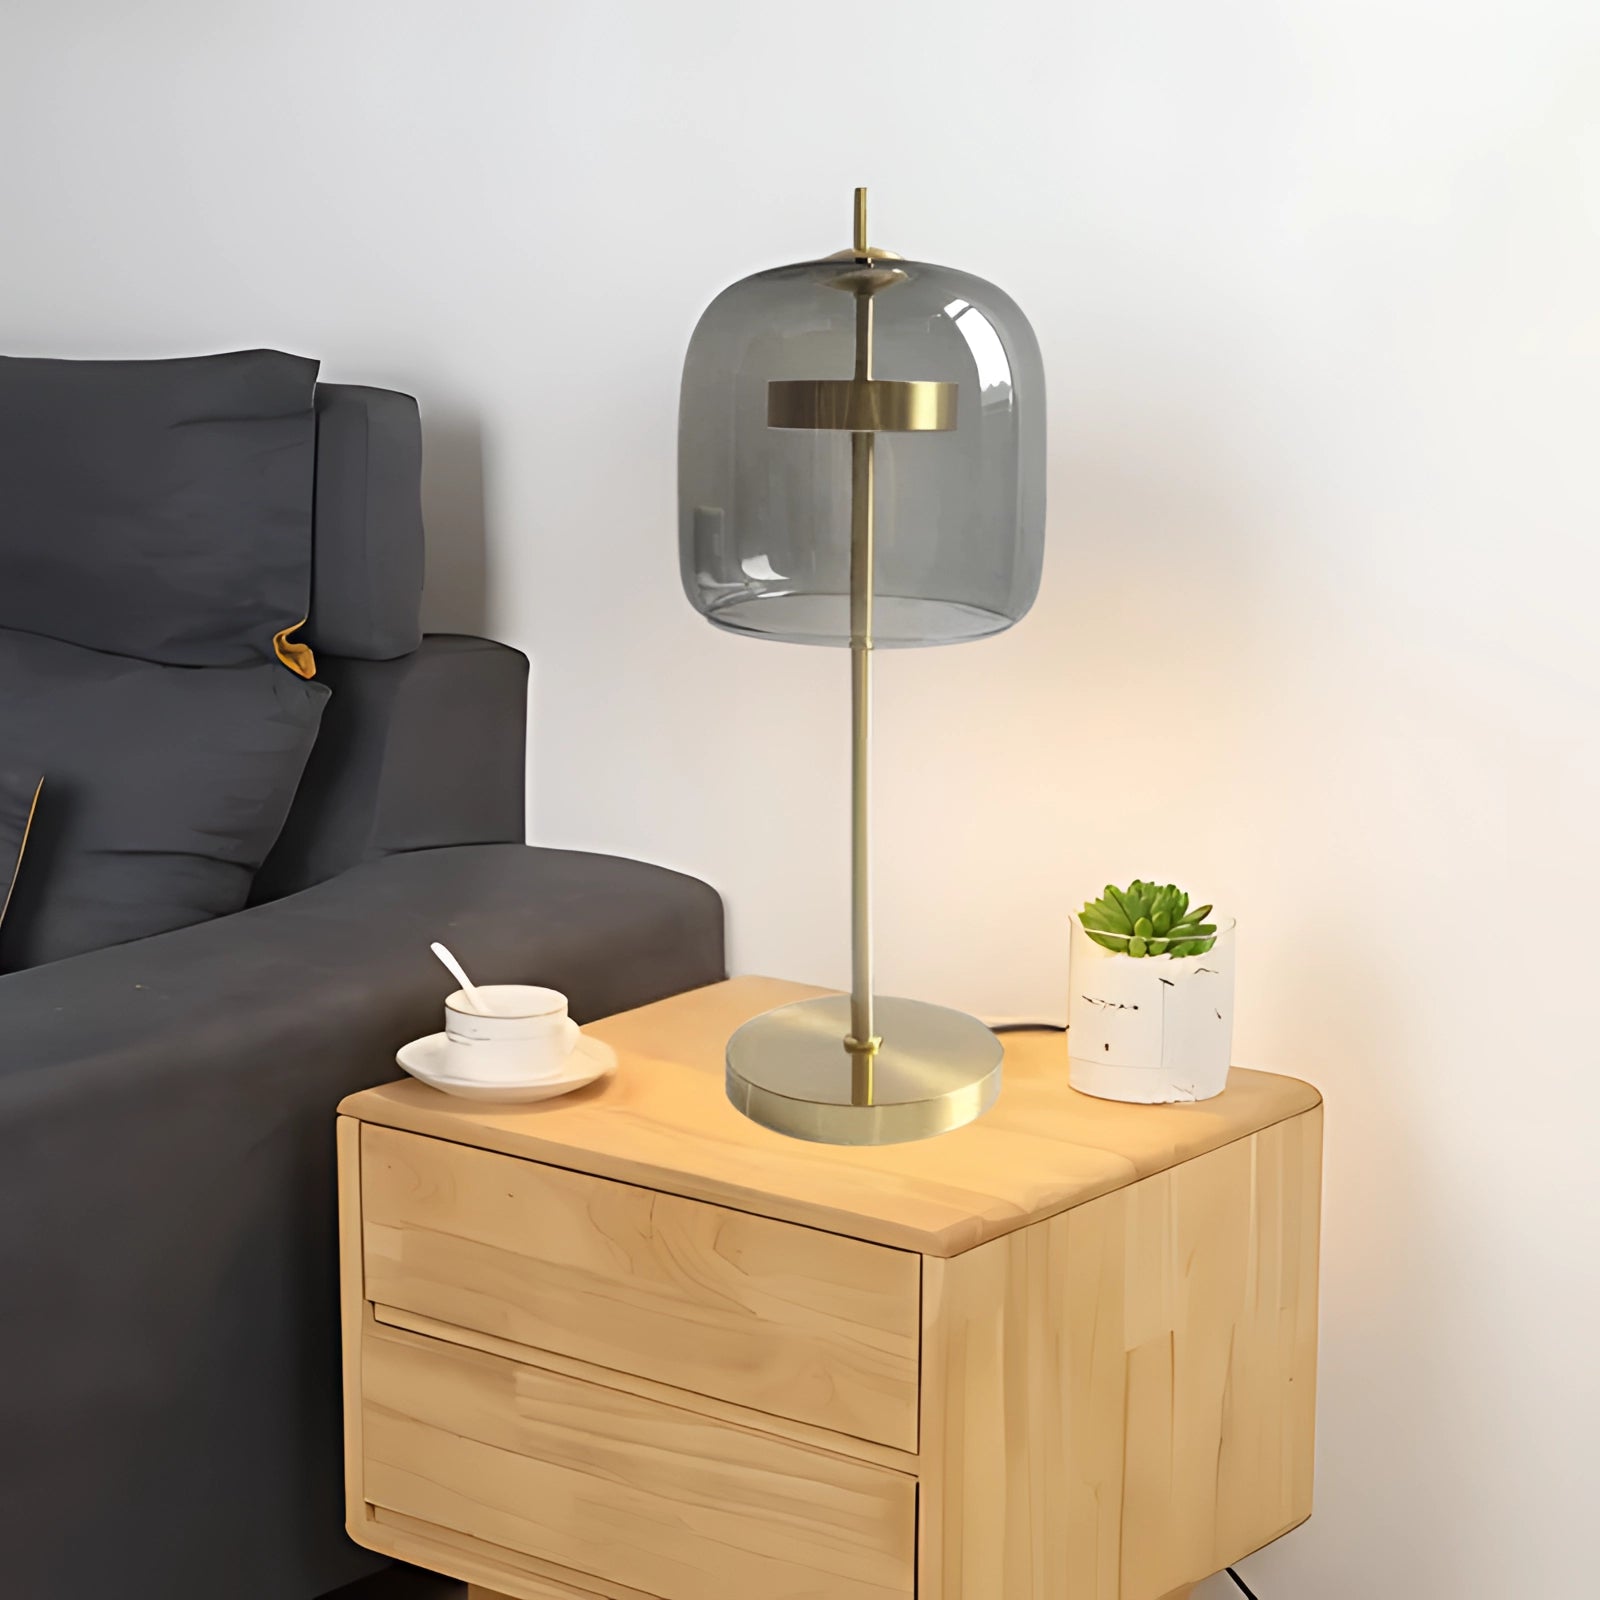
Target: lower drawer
(627, 1489)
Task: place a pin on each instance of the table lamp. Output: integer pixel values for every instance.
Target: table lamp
(861, 463)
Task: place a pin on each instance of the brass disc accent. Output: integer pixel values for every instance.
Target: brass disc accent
(866, 278)
(936, 1070)
(862, 405)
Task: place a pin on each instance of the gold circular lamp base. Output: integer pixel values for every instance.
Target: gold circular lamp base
(937, 1069)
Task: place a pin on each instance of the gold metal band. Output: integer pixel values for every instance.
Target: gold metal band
(862, 405)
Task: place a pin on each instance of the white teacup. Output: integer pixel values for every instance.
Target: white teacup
(526, 1034)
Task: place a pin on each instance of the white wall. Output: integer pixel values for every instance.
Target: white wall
(1317, 287)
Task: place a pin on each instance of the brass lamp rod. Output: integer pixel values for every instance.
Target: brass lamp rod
(863, 1041)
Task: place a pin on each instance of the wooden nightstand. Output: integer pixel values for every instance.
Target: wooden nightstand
(628, 1344)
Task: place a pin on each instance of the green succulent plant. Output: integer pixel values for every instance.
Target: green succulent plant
(1148, 919)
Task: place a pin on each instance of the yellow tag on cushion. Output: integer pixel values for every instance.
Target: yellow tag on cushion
(8, 881)
(296, 657)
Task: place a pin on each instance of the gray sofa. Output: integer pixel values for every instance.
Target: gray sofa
(168, 1332)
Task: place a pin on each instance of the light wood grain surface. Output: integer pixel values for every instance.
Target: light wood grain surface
(1120, 1402)
(663, 1122)
(497, 1569)
(784, 1319)
(845, 1444)
(629, 1346)
(675, 1504)
(353, 1314)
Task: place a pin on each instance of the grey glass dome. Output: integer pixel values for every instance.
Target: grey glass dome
(765, 481)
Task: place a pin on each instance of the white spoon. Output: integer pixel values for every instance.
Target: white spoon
(459, 973)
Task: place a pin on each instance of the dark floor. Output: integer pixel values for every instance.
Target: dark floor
(402, 1583)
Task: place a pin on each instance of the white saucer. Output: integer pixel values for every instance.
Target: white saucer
(425, 1060)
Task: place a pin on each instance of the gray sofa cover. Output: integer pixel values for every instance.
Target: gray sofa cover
(169, 1361)
(170, 1401)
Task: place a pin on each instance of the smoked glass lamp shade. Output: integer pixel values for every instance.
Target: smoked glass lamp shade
(765, 486)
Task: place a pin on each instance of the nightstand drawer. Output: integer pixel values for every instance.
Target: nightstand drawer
(623, 1488)
(784, 1319)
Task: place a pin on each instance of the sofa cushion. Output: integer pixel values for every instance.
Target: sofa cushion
(159, 509)
(19, 794)
(164, 789)
(366, 576)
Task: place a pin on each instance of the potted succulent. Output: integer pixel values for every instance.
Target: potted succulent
(1150, 1017)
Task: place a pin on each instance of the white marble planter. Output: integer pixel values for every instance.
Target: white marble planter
(1150, 1029)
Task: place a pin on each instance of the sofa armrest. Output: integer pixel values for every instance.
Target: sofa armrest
(169, 1328)
(387, 773)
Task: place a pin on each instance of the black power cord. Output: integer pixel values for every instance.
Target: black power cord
(1244, 1587)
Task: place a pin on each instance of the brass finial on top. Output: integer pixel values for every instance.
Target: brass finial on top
(859, 249)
